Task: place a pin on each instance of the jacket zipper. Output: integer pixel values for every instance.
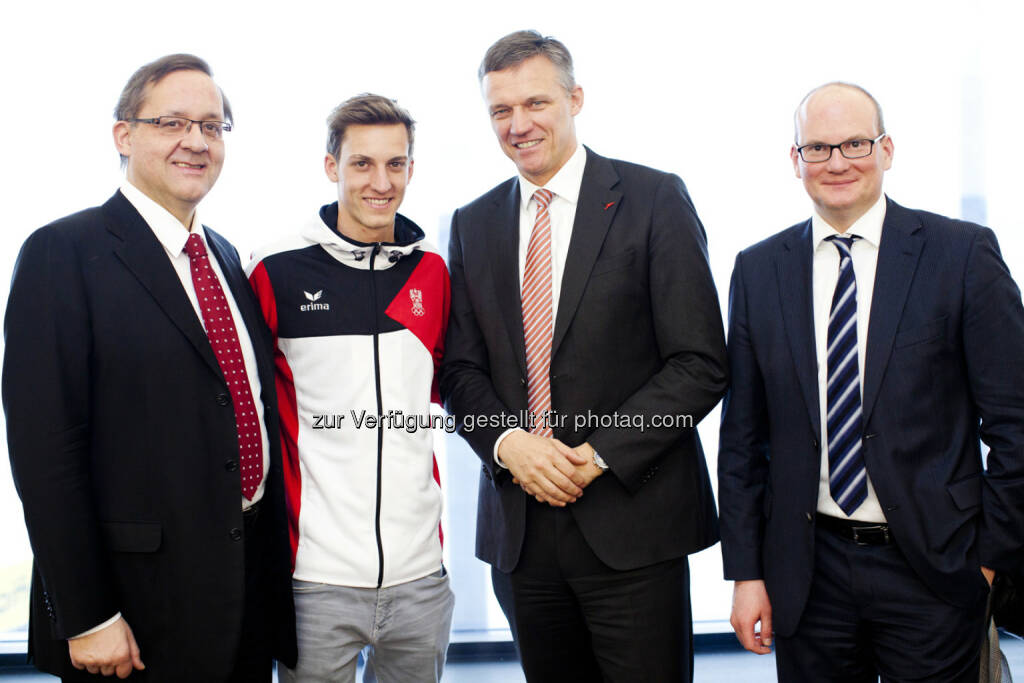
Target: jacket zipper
(380, 410)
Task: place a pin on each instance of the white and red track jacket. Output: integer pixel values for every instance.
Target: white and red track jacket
(359, 334)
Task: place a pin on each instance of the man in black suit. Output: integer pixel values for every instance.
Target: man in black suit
(585, 343)
(139, 393)
(870, 347)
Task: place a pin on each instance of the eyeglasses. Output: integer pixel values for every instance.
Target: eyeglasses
(816, 152)
(179, 125)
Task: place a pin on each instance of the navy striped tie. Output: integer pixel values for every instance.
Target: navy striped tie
(847, 476)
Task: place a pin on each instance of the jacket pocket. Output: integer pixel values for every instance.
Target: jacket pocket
(132, 537)
(966, 493)
(612, 263)
(936, 329)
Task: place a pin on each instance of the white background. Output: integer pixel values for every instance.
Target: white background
(700, 89)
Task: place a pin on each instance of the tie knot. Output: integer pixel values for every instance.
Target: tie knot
(843, 244)
(543, 197)
(194, 246)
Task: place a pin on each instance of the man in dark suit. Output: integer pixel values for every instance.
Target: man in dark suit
(139, 394)
(585, 343)
(870, 347)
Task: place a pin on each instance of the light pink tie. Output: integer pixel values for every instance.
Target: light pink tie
(220, 328)
(537, 315)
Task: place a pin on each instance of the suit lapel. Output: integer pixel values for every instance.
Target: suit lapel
(795, 288)
(503, 239)
(594, 214)
(898, 255)
(146, 259)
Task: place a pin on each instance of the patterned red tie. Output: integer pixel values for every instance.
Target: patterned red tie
(220, 328)
(537, 317)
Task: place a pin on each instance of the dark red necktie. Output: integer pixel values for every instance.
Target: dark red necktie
(220, 328)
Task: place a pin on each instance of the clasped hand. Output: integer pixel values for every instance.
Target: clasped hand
(546, 468)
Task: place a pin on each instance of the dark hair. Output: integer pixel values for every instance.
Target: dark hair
(365, 109)
(134, 93)
(879, 121)
(516, 48)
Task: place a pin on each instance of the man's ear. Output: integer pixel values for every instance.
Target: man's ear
(576, 100)
(331, 168)
(123, 138)
(888, 149)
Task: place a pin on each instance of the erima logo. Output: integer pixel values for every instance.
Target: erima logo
(313, 299)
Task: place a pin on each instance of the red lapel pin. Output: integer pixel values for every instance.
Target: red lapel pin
(609, 205)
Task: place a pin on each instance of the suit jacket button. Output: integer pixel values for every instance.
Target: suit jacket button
(231, 465)
(809, 516)
(815, 443)
(223, 399)
(522, 380)
(236, 534)
(487, 473)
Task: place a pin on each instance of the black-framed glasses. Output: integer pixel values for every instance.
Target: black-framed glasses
(180, 125)
(817, 152)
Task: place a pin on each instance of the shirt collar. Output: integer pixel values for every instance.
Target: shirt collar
(868, 227)
(168, 230)
(565, 184)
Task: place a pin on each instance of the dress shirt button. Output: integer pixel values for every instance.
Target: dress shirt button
(223, 399)
(236, 534)
(231, 465)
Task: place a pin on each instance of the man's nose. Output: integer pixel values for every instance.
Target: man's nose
(837, 163)
(521, 121)
(194, 138)
(379, 179)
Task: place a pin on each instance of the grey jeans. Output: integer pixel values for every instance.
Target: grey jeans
(405, 629)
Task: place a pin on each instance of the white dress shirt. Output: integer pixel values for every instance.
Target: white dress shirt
(825, 269)
(565, 185)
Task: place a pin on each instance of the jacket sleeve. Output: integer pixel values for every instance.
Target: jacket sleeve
(993, 338)
(46, 389)
(742, 446)
(687, 322)
(466, 387)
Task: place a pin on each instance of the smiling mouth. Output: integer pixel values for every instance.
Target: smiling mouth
(377, 203)
(196, 167)
(527, 145)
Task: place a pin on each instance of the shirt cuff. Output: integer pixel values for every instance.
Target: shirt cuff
(497, 443)
(95, 629)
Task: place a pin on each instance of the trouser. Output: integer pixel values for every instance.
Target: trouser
(577, 619)
(869, 615)
(405, 628)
